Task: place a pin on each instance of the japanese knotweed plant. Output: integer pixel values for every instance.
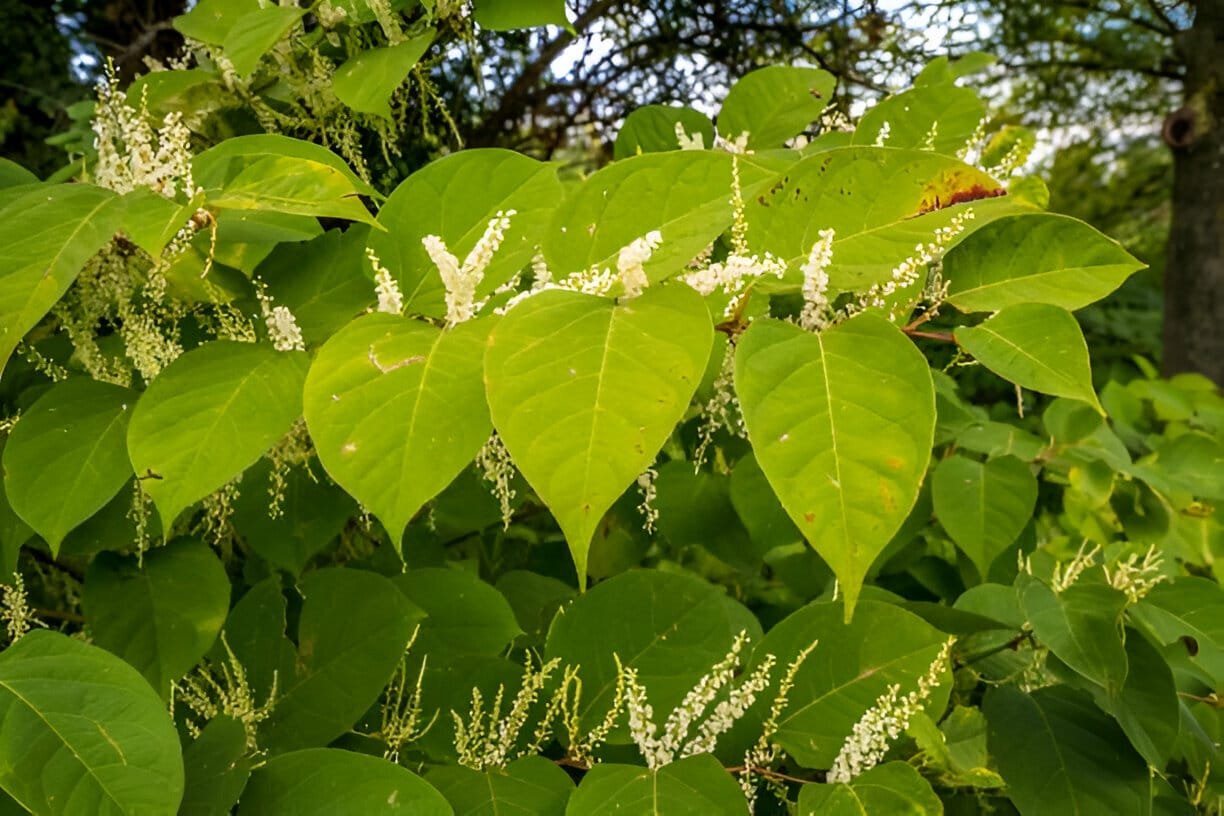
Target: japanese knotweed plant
(650, 491)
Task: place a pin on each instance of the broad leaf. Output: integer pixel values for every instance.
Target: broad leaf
(506, 15)
(210, 415)
(1035, 258)
(584, 392)
(1036, 346)
(254, 34)
(162, 615)
(328, 781)
(652, 129)
(212, 168)
(464, 615)
(1082, 626)
(210, 20)
(254, 633)
(695, 786)
(455, 198)
(1147, 705)
(83, 732)
(852, 665)
(671, 628)
(351, 636)
(842, 424)
(367, 81)
(532, 785)
(891, 789)
(1189, 612)
(217, 766)
(1059, 754)
(396, 410)
(938, 117)
(13, 174)
(773, 104)
(292, 185)
(46, 236)
(67, 457)
(983, 505)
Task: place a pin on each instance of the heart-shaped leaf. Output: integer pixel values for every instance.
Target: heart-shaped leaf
(367, 81)
(694, 786)
(774, 103)
(842, 424)
(585, 391)
(983, 505)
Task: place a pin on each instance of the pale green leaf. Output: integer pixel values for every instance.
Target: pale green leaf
(695, 786)
(506, 15)
(83, 732)
(13, 174)
(210, 415)
(292, 185)
(891, 789)
(1035, 346)
(46, 236)
(209, 21)
(1035, 258)
(220, 163)
(67, 457)
(585, 391)
(367, 81)
(652, 129)
(531, 786)
(940, 118)
(983, 505)
(253, 35)
(774, 103)
(396, 410)
(842, 424)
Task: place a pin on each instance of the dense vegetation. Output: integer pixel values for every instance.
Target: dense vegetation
(762, 470)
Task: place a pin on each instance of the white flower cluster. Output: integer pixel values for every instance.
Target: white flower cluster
(647, 509)
(597, 280)
(15, 609)
(390, 299)
(974, 141)
(132, 154)
(815, 314)
(907, 273)
(882, 137)
(486, 739)
(498, 470)
(765, 751)
(737, 145)
(1066, 574)
(214, 690)
(631, 259)
(928, 141)
(885, 721)
(721, 410)
(1137, 577)
(282, 326)
(675, 742)
(461, 281)
(294, 449)
(687, 141)
(401, 708)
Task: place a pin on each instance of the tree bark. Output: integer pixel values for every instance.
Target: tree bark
(1194, 276)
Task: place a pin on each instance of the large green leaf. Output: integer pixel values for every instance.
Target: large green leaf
(455, 198)
(331, 782)
(1035, 258)
(584, 392)
(464, 615)
(13, 174)
(162, 615)
(652, 129)
(67, 457)
(367, 81)
(937, 117)
(506, 15)
(532, 786)
(842, 424)
(1060, 754)
(288, 184)
(253, 35)
(891, 789)
(83, 732)
(210, 20)
(210, 415)
(1189, 612)
(254, 633)
(46, 236)
(217, 766)
(396, 410)
(1147, 705)
(1036, 346)
(852, 665)
(212, 168)
(671, 628)
(1082, 626)
(983, 505)
(351, 636)
(774, 103)
(695, 786)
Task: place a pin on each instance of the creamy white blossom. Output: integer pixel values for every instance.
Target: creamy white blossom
(461, 281)
(1137, 577)
(647, 509)
(222, 689)
(882, 137)
(390, 299)
(814, 316)
(631, 259)
(132, 153)
(486, 739)
(737, 145)
(688, 142)
(498, 470)
(15, 609)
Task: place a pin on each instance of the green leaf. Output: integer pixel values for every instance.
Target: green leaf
(292, 185)
(67, 457)
(940, 118)
(254, 34)
(983, 506)
(46, 236)
(217, 767)
(1035, 258)
(220, 163)
(774, 103)
(1147, 706)
(254, 633)
(1082, 626)
(695, 510)
(331, 782)
(1035, 346)
(695, 786)
(652, 129)
(1188, 612)
(532, 785)
(672, 628)
(891, 789)
(162, 616)
(852, 665)
(13, 174)
(152, 220)
(842, 424)
(396, 410)
(209, 416)
(83, 732)
(506, 15)
(535, 600)
(351, 636)
(209, 21)
(367, 81)
(464, 615)
(455, 198)
(568, 376)
(1059, 754)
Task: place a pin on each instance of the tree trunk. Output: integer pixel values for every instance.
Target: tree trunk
(1194, 276)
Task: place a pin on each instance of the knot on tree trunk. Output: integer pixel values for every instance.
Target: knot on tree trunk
(1180, 129)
